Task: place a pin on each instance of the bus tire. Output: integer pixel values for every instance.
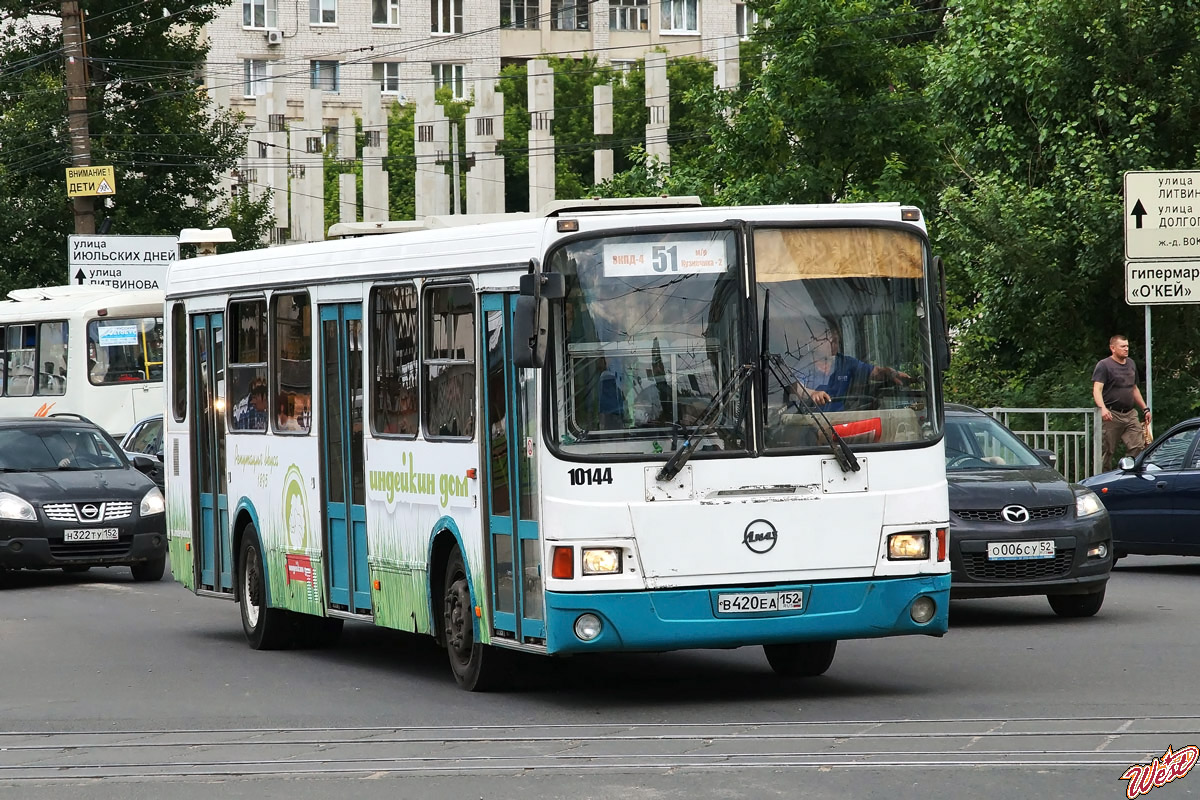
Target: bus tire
(803, 660)
(151, 570)
(477, 667)
(265, 628)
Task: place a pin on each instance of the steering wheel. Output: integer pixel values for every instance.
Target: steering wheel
(962, 459)
(849, 402)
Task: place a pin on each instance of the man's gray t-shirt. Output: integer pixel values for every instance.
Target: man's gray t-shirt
(1119, 382)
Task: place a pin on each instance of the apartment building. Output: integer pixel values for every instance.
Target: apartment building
(340, 46)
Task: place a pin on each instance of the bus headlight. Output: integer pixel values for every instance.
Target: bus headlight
(601, 560)
(13, 507)
(910, 546)
(152, 503)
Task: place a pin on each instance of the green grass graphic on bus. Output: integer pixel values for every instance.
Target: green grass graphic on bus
(179, 536)
(293, 569)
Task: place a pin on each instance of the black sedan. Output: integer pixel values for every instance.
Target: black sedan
(1154, 500)
(1017, 527)
(71, 499)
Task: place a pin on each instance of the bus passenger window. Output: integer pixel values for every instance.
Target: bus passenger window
(394, 360)
(292, 361)
(52, 354)
(22, 340)
(449, 364)
(248, 366)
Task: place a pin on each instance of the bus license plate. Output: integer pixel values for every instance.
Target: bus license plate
(1016, 551)
(91, 535)
(751, 602)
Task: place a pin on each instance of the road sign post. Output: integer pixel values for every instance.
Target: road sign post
(1162, 243)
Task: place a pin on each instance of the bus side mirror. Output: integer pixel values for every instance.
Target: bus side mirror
(531, 323)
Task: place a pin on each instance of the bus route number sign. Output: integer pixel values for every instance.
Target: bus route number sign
(664, 258)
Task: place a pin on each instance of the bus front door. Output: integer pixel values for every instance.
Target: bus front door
(511, 473)
(344, 506)
(215, 564)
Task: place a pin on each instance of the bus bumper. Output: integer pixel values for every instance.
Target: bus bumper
(677, 619)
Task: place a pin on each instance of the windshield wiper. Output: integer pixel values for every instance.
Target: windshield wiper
(706, 422)
(841, 450)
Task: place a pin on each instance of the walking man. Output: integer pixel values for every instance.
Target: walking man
(1115, 392)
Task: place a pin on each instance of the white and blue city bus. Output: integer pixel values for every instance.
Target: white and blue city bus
(91, 350)
(593, 429)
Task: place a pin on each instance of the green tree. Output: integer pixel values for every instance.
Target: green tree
(1047, 103)
(837, 110)
(148, 117)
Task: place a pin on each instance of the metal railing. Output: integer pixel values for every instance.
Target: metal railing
(1072, 434)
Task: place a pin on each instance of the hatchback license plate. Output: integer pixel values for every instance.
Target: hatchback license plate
(91, 535)
(751, 602)
(1018, 551)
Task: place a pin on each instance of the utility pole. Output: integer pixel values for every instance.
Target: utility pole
(77, 109)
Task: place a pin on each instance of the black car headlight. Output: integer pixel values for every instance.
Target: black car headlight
(1087, 503)
(152, 503)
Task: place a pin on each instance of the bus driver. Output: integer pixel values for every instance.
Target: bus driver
(826, 376)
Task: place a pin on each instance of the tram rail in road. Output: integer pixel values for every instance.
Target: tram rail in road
(1108, 742)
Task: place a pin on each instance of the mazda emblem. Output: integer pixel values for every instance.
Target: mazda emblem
(760, 536)
(1015, 514)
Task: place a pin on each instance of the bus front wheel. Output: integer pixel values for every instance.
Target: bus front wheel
(266, 628)
(803, 660)
(477, 667)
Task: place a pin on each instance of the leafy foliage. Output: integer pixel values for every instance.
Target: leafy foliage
(148, 117)
(1047, 104)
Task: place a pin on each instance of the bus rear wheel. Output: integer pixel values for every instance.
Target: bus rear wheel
(477, 667)
(265, 628)
(803, 660)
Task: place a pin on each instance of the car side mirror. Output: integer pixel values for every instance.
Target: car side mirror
(142, 462)
(1048, 456)
(1126, 463)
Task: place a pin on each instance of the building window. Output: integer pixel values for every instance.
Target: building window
(629, 15)
(394, 372)
(450, 76)
(623, 66)
(568, 15)
(387, 74)
(385, 12)
(680, 16)
(747, 18)
(260, 14)
(446, 16)
(518, 13)
(322, 12)
(323, 75)
(254, 78)
(448, 368)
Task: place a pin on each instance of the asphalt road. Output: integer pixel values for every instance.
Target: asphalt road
(113, 689)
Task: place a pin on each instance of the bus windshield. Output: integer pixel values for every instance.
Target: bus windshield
(843, 322)
(651, 331)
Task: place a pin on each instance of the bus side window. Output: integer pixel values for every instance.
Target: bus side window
(52, 351)
(449, 363)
